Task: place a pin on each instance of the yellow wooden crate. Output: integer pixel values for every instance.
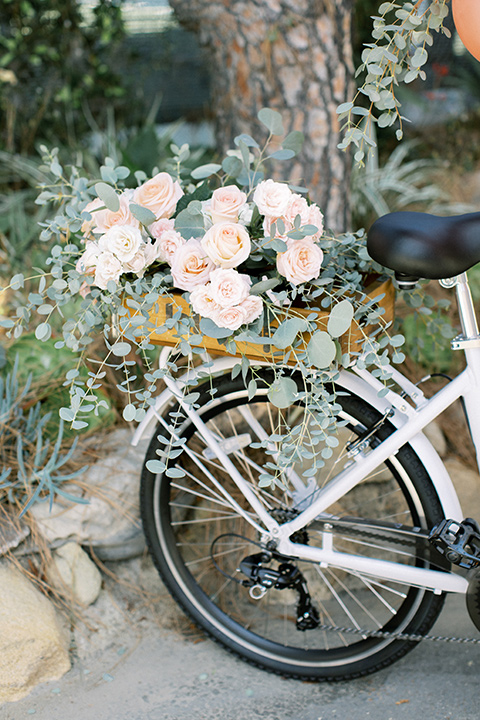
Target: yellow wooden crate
(167, 306)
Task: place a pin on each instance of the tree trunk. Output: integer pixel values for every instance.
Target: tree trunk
(294, 56)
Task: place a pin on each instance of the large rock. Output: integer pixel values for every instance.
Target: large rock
(72, 572)
(33, 646)
(110, 522)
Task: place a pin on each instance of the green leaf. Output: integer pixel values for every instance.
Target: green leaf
(264, 285)
(189, 223)
(281, 155)
(294, 141)
(142, 214)
(210, 329)
(246, 139)
(175, 472)
(120, 349)
(287, 331)
(204, 171)
(129, 412)
(232, 166)
(107, 194)
(283, 392)
(272, 120)
(340, 318)
(321, 350)
(155, 466)
(43, 332)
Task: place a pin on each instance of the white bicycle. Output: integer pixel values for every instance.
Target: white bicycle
(336, 577)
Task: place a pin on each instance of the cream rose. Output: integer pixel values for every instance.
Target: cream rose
(253, 306)
(160, 195)
(301, 262)
(229, 287)
(190, 265)
(227, 203)
(272, 198)
(202, 302)
(108, 268)
(227, 244)
(87, 262)
(123, 241)
(231, 317)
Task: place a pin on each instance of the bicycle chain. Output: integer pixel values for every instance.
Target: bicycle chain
(413, 637)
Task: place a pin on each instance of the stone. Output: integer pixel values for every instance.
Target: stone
(72, 572)
(467, 483)
(434, 433)
(12, 531)
(33, 645)
(111, 519)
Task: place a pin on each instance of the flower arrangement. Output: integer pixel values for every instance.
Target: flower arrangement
(248, 255)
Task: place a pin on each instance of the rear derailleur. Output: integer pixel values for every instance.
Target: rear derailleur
(261, 578)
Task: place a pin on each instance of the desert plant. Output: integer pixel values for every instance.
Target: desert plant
(31, 466)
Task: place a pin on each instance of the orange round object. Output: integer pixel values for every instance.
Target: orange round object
(466, 16)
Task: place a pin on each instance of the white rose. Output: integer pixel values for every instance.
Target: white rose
(138, 263)
(160, 226)
(190, 265)
(231, 317)
(229, 287)
(301, 262)
(202, 302)
(123, 241)
(272, 198)
(108, 268)
(253, 306)
(227, 244)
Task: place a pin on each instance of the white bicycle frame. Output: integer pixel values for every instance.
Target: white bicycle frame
(409, 419)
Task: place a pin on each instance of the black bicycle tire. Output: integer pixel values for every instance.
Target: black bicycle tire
(196, 605)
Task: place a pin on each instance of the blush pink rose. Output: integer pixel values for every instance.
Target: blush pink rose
(301, 262)
(93, 208)
(272, 198)
(191, 266)
(253, 306)
(168, 244)
(231, 317)
(138, 263)
(229, 287)
(106, 219)
(227, 244)
(227, 203)
(160, 195)
(160, 226)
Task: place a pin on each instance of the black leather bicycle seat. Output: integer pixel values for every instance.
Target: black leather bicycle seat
(426, 246)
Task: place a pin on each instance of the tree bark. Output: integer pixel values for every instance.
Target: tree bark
(294, 56)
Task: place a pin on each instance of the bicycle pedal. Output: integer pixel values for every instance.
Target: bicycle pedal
(458, 542)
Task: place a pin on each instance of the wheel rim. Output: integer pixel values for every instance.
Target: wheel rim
(191, 515)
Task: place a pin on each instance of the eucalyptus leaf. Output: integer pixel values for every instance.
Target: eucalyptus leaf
(189, 224)
(205, 171)
(272, 120)
(210, 329)
(107, 195)
(142, 214)
(282, 392)
(340, 318)
(287, 331)
(321, 350)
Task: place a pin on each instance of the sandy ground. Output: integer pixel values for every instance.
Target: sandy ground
(142, 659)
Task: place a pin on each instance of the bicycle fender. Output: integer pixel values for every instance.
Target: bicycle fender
(419, 442)
(349, 381)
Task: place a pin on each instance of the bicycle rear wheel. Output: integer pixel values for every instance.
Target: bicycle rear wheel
(201, 543)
